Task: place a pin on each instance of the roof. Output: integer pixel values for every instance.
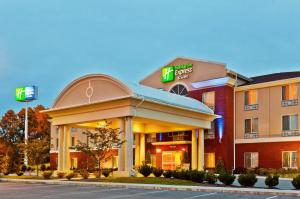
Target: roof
(163, 97)
(273, 77)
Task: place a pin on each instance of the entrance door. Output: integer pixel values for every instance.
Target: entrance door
(171, 160)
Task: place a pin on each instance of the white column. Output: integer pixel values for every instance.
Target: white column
(121, 150)
(142, 148)
(137, 149)
(66, 148)
(128, 144)
(60, 154)
(200, 149)
(194, 149)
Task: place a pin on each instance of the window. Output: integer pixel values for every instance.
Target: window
(290, 122)
(210, 133)
(251, 160)
(179, 90)
(208, 99)
(251, 97)
(251, 125)
(289, 159)
(289, 92)
(209, 160)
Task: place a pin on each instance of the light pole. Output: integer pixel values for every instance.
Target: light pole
(26, 132)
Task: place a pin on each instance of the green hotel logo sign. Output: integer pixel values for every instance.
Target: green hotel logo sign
(26, 93)
(169, 73)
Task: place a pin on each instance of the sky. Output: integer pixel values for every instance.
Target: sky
(49, 43)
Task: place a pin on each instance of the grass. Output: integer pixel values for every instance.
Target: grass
(149, 180)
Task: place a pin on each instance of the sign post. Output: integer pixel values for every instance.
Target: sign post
(26, 94)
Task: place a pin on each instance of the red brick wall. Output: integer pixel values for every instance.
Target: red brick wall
(269, 154)
(224, 97)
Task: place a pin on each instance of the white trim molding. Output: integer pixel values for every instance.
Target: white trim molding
(264, 140)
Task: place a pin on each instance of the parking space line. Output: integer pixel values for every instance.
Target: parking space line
(83, 192)
(202, 195)
(272, 197)
(135, 194)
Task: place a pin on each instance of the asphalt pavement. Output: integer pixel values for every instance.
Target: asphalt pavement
(10, 190)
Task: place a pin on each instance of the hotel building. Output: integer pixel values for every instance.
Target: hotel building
(188, 114)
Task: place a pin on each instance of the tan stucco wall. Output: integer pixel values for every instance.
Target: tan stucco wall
(269, 112)
(202, 70)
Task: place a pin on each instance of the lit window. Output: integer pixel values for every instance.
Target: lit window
(251, 97)
(208, 99)
(251, 125)
(289, 159)
(251, 160)
(290, 122)
(209, 160)
(289, 92)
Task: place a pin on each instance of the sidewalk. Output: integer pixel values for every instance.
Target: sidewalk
(249, 191)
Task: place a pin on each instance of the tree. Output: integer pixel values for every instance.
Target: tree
(100, 143)
(4, 157)
(37, 151)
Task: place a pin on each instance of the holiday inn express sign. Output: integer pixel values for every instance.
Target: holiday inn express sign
(26, 93)
(169, 73)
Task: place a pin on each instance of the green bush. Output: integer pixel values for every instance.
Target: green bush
(47, 174)
(157, 172)
(97, 174)
(197, 176)
(184, 174)
(272, 181)
(106, 172)
(84, 174)
(227, 178)
(210, 178)
(71, 175)
(247, 180)
(168, 174)
(61, 174)
(43, 167)
(145, 170)
(296, 182)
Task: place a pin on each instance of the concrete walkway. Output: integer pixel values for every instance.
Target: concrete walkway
(240, 190)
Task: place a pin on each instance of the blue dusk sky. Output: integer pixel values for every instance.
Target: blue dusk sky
(52, 42)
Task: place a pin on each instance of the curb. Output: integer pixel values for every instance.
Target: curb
(257, 191)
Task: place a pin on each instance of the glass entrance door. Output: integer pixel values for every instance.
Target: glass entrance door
(171, 160)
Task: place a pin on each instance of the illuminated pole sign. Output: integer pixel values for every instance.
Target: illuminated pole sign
(169, 73)
(26, 94)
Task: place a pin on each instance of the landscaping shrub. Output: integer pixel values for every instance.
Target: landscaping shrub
(106, 172)
(84, 174)
(6, 173)
(227, 178)
(47, 174)
(184, 174)
(247, 180)
(60, 174)
(239, 170)
(197, 176)
(176, 174)
(296, 182)
(20, 173)
(210, 178)
(145, 170)
(272, 181)
(97, 174)
(71, 175)
(23, 168)
(48, 168)
(43, 167)
(157, 172)
(168, 174)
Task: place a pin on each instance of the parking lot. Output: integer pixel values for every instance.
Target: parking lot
(37, 191)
